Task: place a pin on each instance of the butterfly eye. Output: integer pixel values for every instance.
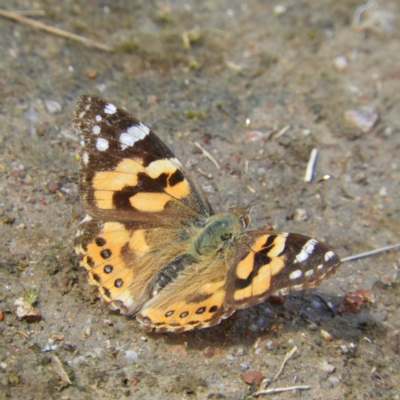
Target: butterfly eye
(245, 219)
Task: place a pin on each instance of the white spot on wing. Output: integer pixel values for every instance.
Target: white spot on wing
(101, 144)
(309, 272)
(282, 292)
(98, 118)
(86, 219)
(132, 135)
(110, 108)
(85, 157)
(297, 287)
(329, 255)
(295, 274)
(81, 114)
(96, 129)
(320, 266)
(307, 249)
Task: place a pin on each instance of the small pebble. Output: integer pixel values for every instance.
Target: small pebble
(87, 332)
(280, 9)
(91, 74)
(244, 366)
(253, 328)
(326, 367)
(208, 352)
(253, 378)
(178, 350)
(152, 99)
(132, 355)
(78, 360)
(340, 63)
(300, 215)
(365, 118)
(334, 380)
(313, 327)
(254, 136)
(52, 106)
(25, 311)
(31, 115)
(240, 352)
(327, 336)
(383, 191)
(53, 186)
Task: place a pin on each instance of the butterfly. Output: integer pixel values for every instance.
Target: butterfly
(152, 244)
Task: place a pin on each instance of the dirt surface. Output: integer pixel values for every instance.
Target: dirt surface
(194, 71)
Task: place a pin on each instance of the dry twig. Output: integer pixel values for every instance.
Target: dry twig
(54, 31)
(310, 166)
(59, 370)
(287, 358)
(370, 253)
(207, 154)
(280, 390)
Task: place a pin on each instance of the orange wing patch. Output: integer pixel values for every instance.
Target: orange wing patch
(101, 256)
(129, 173)
(105, 183)
(266, 267)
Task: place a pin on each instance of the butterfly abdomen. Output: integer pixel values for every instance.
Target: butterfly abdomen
(171, 271)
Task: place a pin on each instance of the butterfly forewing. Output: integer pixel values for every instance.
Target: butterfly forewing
(268, 263)
(127, 172)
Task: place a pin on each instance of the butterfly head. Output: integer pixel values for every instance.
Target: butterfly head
(242, 214)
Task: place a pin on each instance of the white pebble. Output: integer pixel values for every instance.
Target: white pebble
(52, 106)
(300, 215)
(326, 367)
(340, 63)
(31, 115)
(132, 355)
(334, 380)
(280, 9)
(364, 118)
(78, 360)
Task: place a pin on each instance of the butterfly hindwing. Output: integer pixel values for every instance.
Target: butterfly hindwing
(196, 299)
(125, 260)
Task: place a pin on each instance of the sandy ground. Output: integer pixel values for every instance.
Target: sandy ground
(194, 71)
